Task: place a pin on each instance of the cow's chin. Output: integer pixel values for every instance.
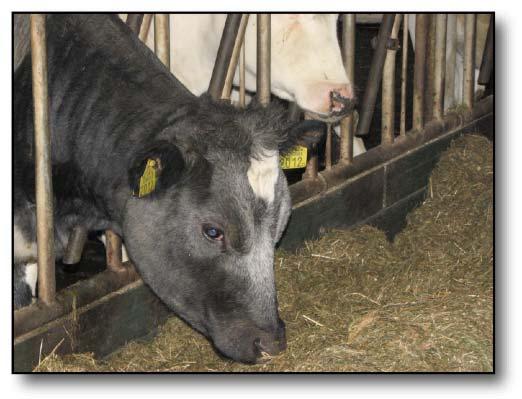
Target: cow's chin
(331, 117)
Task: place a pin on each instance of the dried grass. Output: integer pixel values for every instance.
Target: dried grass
(353, 301)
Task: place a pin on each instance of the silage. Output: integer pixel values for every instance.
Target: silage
(352, 301)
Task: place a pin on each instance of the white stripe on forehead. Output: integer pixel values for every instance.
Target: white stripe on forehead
(263, 174)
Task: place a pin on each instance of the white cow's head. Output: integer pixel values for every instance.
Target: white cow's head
(306, 63)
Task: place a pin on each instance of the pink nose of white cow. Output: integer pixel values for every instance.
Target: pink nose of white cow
(341, 98)
(327, 101)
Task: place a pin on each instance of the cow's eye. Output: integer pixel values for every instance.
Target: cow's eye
(213, 233)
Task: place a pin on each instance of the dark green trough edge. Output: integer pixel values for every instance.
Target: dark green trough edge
(105, 312)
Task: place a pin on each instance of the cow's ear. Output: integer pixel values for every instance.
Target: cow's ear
(307, 133)
(155, 169)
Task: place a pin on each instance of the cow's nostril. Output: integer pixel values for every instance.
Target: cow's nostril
(260, 347)
(262, 353)
(340, 103)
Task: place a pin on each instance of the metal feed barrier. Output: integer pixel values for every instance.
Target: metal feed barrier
(433, 71)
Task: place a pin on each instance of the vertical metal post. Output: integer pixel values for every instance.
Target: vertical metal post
(242, 97)
(375, 75)
(263, 58)
(294, 112)
(113, 251)
(312, 166)
(404, 74)
(451, 60)
(430, 69)
(388, 89)
(440, 65)
(469, 60)
(43, 171)
(134, 22)
(421, 24)
(348, 52)
(224, 55)
(328, 147)
(73, 252)
(238, 45)
(486, 66)
(145, 27)
(162, 38)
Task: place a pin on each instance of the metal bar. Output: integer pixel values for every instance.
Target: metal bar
(43, 171)
(294, 112)
(242, 96)
(224, 55)
(73, 252)
(263, 58)
(486, 66)
(348, 53)
(440, 65)
(145, 27)
(238, 46)
(134, 22)
(421, 24)
(113, 251)
(430, 69)
(162, 38)
(388, 89)
(404, 75)
(375, 75)
(451, 60)
(328, 147)
(468, 90)
(312, 166)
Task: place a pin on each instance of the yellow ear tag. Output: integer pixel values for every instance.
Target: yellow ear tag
(295, 159)
(149, 178)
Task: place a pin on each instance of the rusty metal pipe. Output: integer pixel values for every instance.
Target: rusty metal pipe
(421, 24)
(348, 53)
(312, 166)
(430, 69)
(134, 22)
(75, 245)
(375, 75)
(113, 251)
(404, 75)
(242, 89)
(263, 58)
(238, 48)
(486, 66)
(162, 38)
(451, 60)
(224, 55)
(43, 171)
(328, 147)
(294, 112)
(440, 65)
(388, 89)
(469, 60)
(145, 27)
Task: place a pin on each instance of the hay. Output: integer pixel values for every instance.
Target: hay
(353, 301)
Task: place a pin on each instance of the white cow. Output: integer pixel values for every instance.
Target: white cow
(305, 58)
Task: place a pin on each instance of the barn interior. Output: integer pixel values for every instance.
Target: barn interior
(405, 284)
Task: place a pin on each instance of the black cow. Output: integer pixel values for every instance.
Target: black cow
(202, 229)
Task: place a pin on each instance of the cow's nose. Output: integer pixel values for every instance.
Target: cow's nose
(271, 344)
(268, 347)
(341, 100)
